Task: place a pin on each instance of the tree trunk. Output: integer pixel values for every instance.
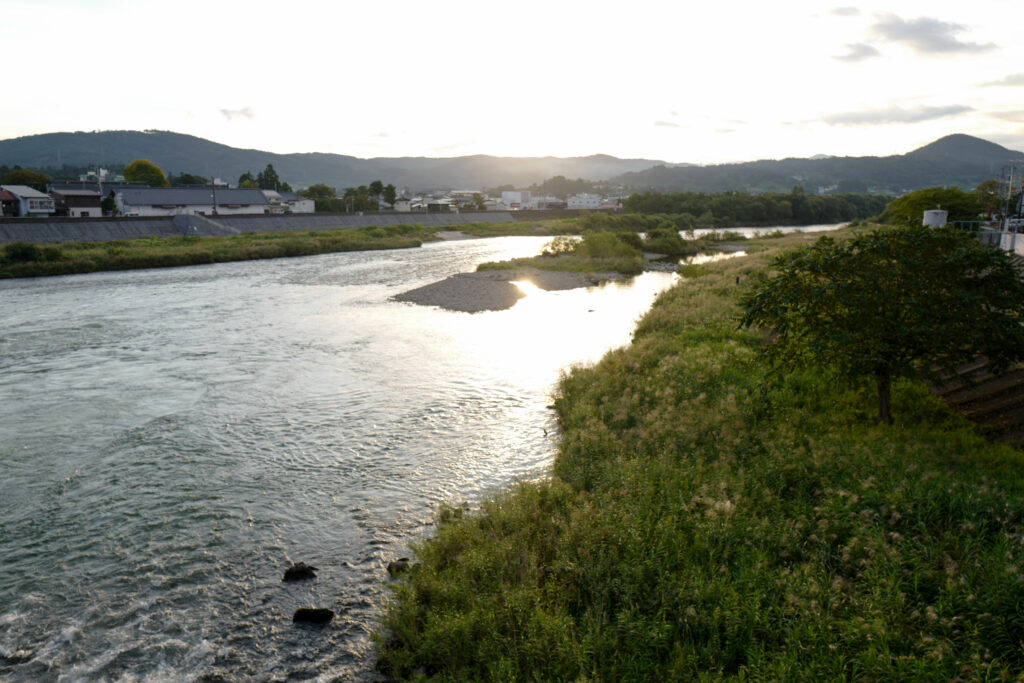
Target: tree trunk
(884, 396)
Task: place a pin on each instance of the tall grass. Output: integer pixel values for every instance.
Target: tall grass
(704, 523)
(593, 252)
(29, 260)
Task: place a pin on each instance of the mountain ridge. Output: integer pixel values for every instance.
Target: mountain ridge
(178, 152)
(957, 159)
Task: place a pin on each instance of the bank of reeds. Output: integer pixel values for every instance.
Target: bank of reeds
(21, 259)
(703, 522)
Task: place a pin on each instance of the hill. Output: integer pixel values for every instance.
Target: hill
(176, 153)
(955, 160)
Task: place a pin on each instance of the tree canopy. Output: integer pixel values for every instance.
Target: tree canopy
(144, 170)
(890, 303)
(183, 179)
(909, 209)
(23, 176)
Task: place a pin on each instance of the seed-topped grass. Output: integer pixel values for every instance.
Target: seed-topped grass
(706, 521)
(22, 259)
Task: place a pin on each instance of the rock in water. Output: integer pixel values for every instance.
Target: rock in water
(299, 572)
(311, 615)
(398, 566)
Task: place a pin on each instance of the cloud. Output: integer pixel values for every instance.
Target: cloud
(844, 11)
(244, 113)
(926, 36)
(894, 115)
(858, 52)
(1011, 80)
(1012, 116)
(667, 124)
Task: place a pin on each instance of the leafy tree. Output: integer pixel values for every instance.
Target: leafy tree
(890, 303)
(247, 180)
(183, 179)
(143, 170)
(108, 205)
(268, 179)
(478, 202)
(359, 199)
(23, 176)
(390, 194)
(376, 188)
(909, 209)
(318, 191)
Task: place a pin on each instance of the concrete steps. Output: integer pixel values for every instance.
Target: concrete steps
(994, 402)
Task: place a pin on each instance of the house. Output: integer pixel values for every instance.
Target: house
(206, 201)
(403, 205)
(274, 203)
(8, 204)
(77, 203)
(296, 203)
(31, 202)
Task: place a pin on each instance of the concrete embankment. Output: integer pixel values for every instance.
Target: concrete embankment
(42, 230)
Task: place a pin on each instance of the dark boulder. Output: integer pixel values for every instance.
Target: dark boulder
(311, 615)
(299, 572)
(398, 566)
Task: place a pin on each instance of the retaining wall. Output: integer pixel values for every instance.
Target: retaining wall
(106, 229)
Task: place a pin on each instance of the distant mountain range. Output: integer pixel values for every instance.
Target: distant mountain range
(955, 160)
(177, 153)
(959, 160)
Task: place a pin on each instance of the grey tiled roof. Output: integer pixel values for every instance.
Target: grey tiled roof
(24, 191)
(185, 196)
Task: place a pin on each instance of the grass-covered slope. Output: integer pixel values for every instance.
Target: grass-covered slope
(23, 259)
(701, 526)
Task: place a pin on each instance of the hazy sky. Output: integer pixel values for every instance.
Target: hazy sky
(666, 79)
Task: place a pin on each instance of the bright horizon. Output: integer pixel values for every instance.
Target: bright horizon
(705, 85)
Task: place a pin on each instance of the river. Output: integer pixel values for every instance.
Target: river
(171, 439)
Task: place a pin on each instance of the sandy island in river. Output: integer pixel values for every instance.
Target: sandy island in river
(493, 290)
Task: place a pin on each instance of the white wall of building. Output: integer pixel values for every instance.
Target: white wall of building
(584, 201)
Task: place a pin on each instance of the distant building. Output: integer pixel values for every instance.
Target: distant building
(8, 204)
(31, 202)
(77, 203)
(296, 203)
(516, 199)
(403, 205)
(584, 201)
(206, 201)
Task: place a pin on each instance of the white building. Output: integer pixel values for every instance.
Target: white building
(296, 203)
(516, 199)
(403, 205)
(31, 202)
(206, 201)
(584, 201)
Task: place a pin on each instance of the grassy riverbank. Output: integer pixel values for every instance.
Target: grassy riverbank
(22, 259)
(702, 524)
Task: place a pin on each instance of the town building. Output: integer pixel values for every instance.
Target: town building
(30, 202)
(516, 199)
(77, 203)
(205, 201)
(584, 201)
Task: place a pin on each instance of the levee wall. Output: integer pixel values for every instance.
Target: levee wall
(106, 229)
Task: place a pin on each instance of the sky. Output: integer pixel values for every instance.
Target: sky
(671, 80)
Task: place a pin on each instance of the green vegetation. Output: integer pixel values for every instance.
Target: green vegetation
(594, 252)
(703, 524)
(21, 259)
(145, 171)
(889, 303)
(730, 209)
(22, 176)
(909, 209)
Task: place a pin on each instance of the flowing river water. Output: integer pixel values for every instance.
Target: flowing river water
(170, 440)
